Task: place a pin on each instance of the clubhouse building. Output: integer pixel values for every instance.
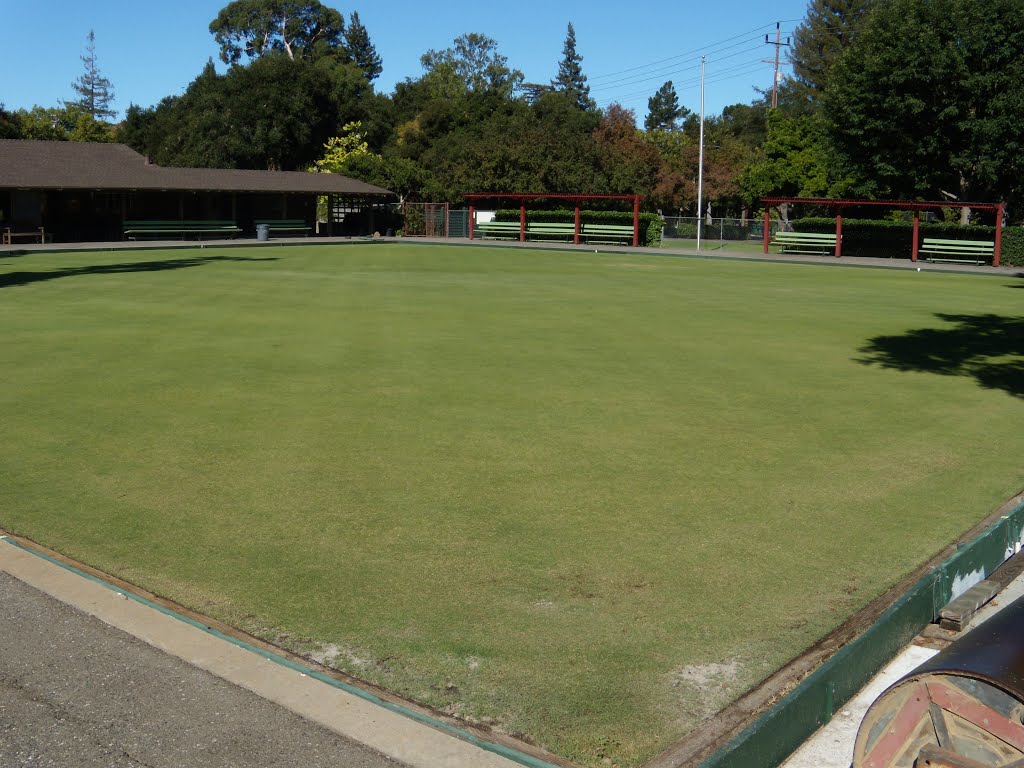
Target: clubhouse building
(78, 192)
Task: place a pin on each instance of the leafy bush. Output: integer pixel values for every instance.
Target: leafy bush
(1012, 247)
(883, 238)
(683, 230)
(650, 223)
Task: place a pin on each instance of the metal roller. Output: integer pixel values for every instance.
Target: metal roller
(964, 708)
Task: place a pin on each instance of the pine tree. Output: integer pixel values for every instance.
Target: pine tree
(361, 49)
(95, 91)
(663, 110)
(570, 79)
(829, 27)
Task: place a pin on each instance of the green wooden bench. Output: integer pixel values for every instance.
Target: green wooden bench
(136, 230)
(286, 226)
(544, 230)
(497, 230)
(608, 233)
(958, 251)
(813, 243)
(552, 229)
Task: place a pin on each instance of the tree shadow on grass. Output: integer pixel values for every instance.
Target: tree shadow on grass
(988, 347)
(11, 279)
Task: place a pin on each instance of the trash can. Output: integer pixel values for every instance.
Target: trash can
(262, 231)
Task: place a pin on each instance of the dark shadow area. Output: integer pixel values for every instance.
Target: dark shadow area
(988, 347)
(12, 279)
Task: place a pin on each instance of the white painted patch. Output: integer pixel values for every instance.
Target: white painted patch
(963, 582)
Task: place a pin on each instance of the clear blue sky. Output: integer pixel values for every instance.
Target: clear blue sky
(150, 50)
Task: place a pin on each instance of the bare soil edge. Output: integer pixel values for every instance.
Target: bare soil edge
(481, 732)
(716, 732)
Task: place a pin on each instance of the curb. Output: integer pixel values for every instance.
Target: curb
(445, 744)
(777, 733)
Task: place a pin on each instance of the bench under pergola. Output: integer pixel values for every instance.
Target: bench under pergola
(523, 198)
(908, 205)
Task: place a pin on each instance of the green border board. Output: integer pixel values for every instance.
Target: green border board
(777, 733)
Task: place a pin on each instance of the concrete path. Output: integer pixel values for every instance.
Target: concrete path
(81, 685)
(75, 691)
(712, 250)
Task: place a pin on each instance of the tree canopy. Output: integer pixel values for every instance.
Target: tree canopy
(926, 102)
(475, 61)
(907, 99)
(828, 30)
(298, 28)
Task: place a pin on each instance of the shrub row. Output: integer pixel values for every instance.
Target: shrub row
(650, 223)
(892, 239)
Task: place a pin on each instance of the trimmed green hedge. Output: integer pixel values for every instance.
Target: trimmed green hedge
(650, 223)
(892, 239)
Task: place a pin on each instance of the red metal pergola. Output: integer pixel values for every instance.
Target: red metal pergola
(916, 207)
(522, 199)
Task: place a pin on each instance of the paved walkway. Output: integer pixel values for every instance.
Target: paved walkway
(76, 691)
(713, 250)
(94, 678)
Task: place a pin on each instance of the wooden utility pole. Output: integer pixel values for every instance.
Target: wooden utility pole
(778, 47)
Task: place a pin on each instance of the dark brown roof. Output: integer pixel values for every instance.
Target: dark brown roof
(77, 165)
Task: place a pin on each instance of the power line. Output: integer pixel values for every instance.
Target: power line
(684, 64)
(678, 70)
(658, 74)
(695, 51)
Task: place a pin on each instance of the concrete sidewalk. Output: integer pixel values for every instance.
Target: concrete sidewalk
(713, 250)
(80, 685)
(75, 691)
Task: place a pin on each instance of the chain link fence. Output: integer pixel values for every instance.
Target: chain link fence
(715, 230)
(458, 222)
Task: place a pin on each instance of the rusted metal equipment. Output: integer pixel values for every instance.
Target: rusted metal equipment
(964, 708)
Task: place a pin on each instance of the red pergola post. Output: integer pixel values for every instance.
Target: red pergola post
(471, 222)
(917, 229)
(522, 222)
(999, 235)
(839, 234)
(636, 220)
(767, 227)
(576, 233)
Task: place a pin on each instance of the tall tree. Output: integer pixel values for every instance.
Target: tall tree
(95, 93)
(628, 162)
(928, 100)
(828, 29)
(570, 79)
(663, 110)
(9, 128)
(363, 54)
(475, 60)
(300, 28)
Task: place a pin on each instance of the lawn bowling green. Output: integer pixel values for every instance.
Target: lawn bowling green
(588, 498)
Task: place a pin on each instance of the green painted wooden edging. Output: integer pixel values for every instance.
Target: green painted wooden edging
(783, 728)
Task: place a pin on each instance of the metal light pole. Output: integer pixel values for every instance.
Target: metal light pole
(700, 162)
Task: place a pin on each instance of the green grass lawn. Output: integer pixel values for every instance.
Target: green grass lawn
(590, 498)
